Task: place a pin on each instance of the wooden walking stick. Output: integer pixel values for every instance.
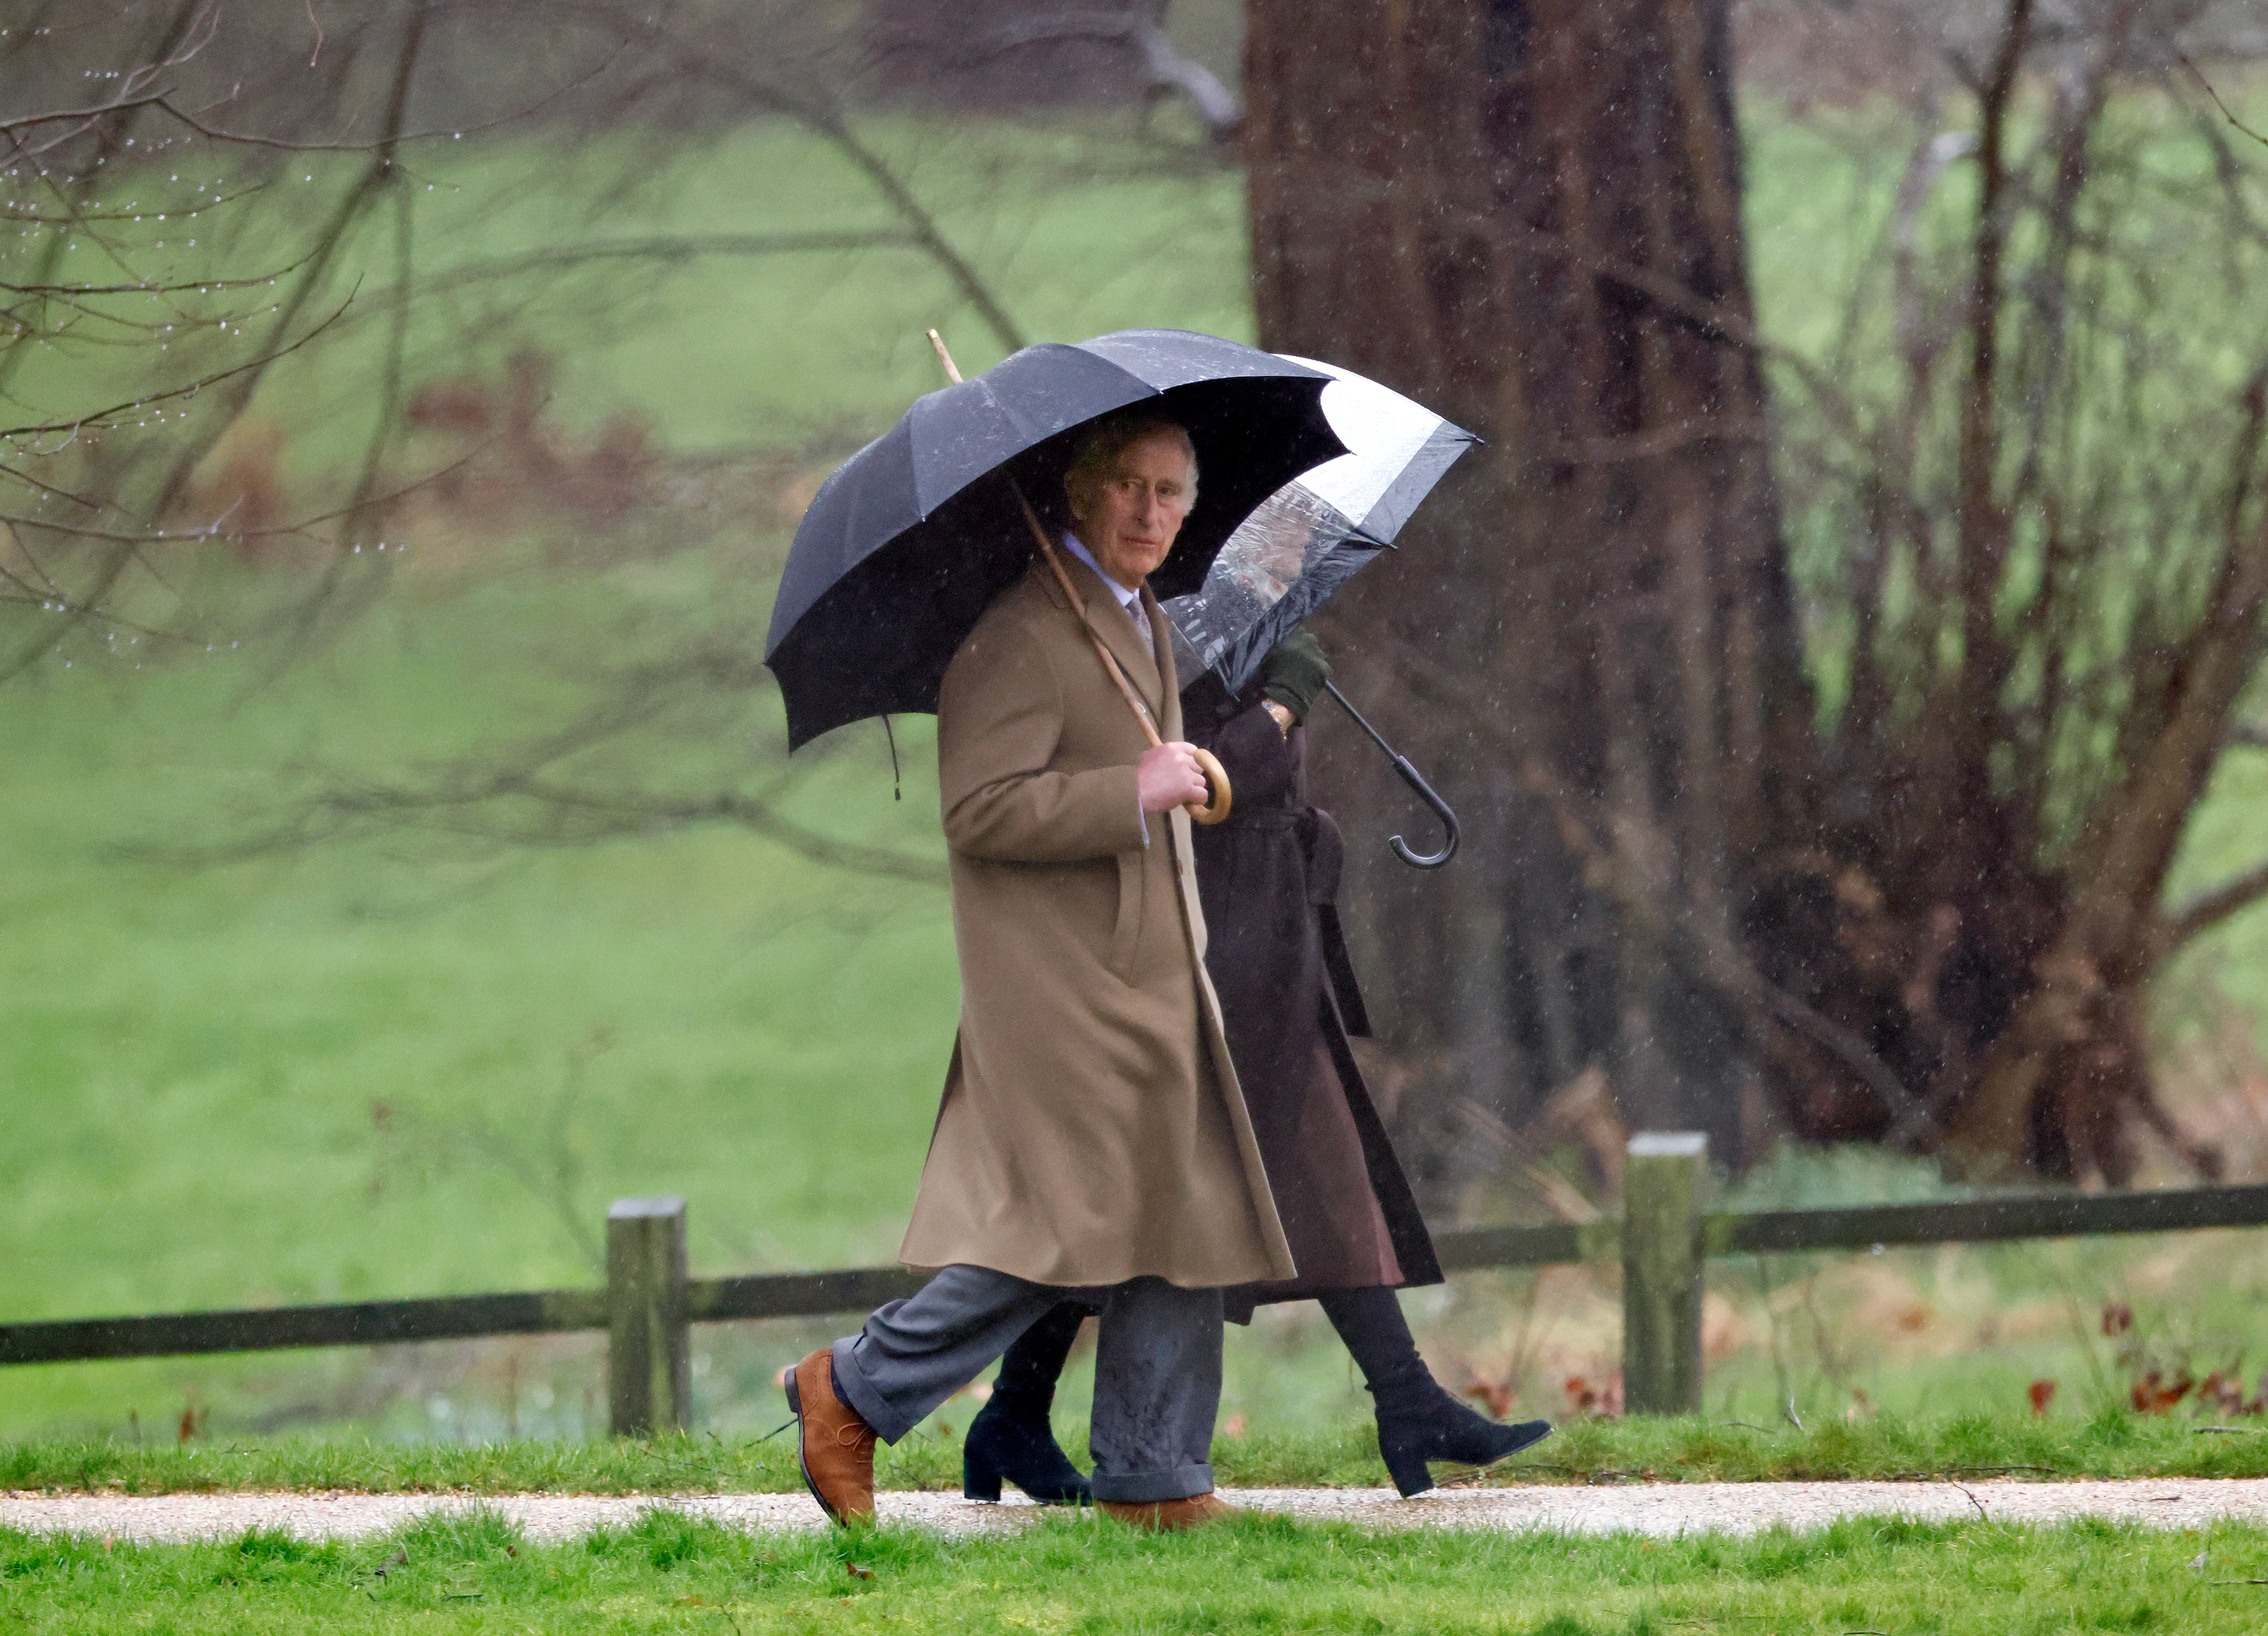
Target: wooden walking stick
(1216, 774)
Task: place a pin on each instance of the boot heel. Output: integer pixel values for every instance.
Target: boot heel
(980, 1477)
(1406, 1465)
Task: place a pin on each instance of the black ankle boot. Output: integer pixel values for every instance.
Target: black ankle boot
(1011, 1438)
(1417, 1421)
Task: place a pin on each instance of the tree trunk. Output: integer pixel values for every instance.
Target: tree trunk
(1928, 921)
(1527, 216)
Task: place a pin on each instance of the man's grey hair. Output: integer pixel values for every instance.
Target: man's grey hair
(1111, 437)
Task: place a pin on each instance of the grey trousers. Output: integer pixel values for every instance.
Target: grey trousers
(1157, 1369)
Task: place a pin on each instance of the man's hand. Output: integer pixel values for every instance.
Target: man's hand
(1167, 777)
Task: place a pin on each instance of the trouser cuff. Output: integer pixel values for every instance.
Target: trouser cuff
(856, 1390)
(1142, 1488)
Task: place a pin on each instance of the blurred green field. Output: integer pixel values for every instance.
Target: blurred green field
(313, 1076)
(401, 1067)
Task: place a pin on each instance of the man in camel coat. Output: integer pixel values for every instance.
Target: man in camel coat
(1093, 1136)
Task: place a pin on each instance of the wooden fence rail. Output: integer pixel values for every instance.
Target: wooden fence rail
(648, 1302)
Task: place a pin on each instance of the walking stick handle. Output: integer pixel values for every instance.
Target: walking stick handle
(1216, 775)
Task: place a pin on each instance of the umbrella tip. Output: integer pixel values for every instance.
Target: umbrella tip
(952, 369)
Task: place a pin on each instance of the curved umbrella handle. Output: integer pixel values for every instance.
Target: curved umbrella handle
(1430, 860)
(1416, 781)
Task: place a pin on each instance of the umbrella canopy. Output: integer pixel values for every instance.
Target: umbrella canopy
(1307, 538)
(907, 542)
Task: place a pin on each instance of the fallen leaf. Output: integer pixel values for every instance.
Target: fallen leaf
(2154, 1394)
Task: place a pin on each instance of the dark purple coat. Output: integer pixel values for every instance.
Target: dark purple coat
(1269, 878)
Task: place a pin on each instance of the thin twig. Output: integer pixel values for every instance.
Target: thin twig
(103, 416)
(165, 105)
(1972, 1498)
(201, 286)
(213, 529)
(2217, 102)
(674, 247)
(2208, 909)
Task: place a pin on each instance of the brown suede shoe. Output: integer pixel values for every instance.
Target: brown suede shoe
(834, 1446)
(1170, 1516)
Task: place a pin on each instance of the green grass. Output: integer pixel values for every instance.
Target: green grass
(1587, 1451)
(1078, 1573)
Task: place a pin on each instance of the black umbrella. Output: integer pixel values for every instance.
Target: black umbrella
(907, 542)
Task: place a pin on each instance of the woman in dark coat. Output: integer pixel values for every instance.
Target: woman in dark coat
(1269, 881)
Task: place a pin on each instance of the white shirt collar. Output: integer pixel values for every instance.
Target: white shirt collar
(1126, 598)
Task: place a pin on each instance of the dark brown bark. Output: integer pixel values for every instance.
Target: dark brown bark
(1481, 204)
(1926, 918)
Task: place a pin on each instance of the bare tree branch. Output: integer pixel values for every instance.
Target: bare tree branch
(245, 139)
(825, 119)
(563, 814)
(2217, 102)
(214, 531)
(2201, 913)
(191, 30)
(674, 248)
(99, 418)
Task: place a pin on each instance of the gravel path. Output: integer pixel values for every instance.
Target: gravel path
(1659, 1508)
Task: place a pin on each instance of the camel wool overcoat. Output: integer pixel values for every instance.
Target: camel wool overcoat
(1092, 1128)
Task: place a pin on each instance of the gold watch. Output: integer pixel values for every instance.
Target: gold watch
(1284, 719)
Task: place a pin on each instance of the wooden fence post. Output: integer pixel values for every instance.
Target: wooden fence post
(1662, 1186)
(649, 1355)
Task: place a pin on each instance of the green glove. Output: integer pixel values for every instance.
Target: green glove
(1294, 672)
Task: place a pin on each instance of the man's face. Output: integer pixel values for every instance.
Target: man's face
(1129, 515)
